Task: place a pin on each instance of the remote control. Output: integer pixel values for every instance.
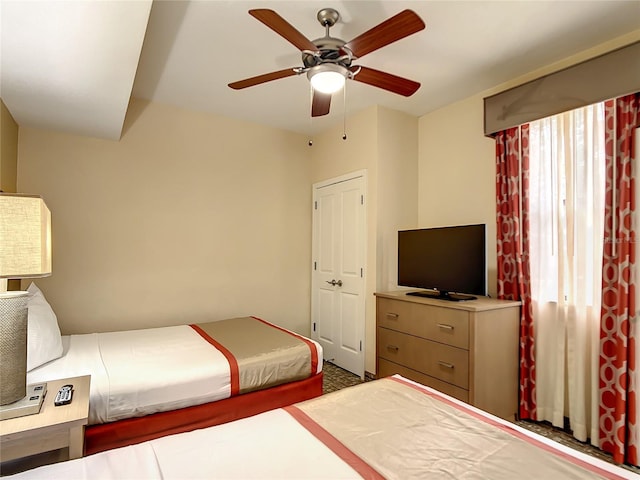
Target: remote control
(64, 395)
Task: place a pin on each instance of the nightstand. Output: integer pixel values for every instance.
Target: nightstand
(52, 428)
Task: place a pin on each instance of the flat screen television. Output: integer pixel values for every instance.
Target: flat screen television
(449, 262)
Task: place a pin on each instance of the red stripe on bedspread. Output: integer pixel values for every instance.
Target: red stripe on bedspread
(233, 363)
(310, 344)
(335, 445)
(130, 431)
(512, 431)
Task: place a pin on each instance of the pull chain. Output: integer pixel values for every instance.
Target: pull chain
(310, 116)
(344, 111)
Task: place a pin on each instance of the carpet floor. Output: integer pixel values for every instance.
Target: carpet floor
(336, 378)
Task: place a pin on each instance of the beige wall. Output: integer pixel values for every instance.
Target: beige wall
(385, 144)
(457, 173)
(397, 189)
(8, 150)
(8, 168)
(331, 156)
(457, 162)
(189, 217)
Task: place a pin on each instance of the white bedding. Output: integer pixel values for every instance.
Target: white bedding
(271, 445)
(140, 372)
(399, 430)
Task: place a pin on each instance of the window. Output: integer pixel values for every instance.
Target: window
(567, 183)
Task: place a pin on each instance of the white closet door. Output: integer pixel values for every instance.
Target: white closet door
(338, 282)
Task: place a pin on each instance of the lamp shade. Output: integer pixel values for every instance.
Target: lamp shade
(25, 236)
(328, 77)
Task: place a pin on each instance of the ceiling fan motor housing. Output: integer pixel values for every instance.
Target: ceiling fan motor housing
(329, 50)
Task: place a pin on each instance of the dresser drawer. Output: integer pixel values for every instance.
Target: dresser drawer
(440, 324)
(387, 368)
(443, 362)
(395, 315)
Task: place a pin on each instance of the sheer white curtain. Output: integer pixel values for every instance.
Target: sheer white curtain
(567, 166)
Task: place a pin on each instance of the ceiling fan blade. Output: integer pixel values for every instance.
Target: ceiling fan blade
(283, 28)
(393, 29)
(320, 104)
(267, 77)
(386, 81)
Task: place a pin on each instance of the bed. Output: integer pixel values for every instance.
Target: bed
(388, 428)
(159, 381)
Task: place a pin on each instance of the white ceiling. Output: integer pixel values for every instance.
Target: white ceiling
(69, 65)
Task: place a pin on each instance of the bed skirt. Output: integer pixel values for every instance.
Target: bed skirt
(130, 431)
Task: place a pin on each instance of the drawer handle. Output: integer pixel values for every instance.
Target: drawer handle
(444, 326)
(446, 364)
(393, 348)
(393, 316)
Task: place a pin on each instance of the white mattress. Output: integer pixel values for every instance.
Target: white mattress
(139, 372)
(394, 432)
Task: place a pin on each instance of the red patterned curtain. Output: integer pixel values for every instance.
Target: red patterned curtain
(512, 202)
(619, 433)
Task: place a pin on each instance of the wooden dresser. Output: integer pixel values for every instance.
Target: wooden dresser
(468, 350)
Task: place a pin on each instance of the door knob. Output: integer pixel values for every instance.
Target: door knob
(334, 282)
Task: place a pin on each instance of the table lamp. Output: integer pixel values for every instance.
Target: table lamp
(25, 252)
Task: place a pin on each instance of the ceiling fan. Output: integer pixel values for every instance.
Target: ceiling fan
(328, 61)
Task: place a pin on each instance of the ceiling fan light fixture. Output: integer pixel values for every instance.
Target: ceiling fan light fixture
(328, 77)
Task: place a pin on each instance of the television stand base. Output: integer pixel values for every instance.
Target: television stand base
(452, 297)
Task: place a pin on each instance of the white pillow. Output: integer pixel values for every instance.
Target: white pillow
(44, 342)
